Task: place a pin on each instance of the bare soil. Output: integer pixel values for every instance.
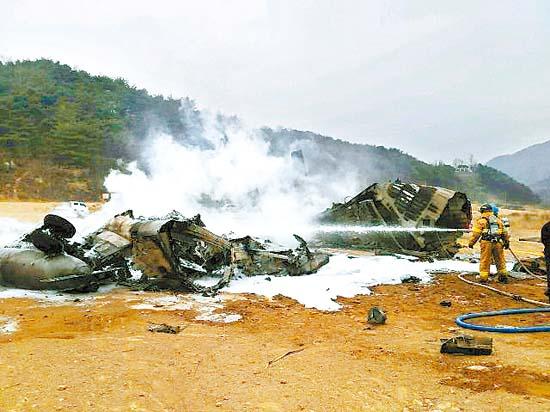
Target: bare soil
(26, 211)
(99, 355)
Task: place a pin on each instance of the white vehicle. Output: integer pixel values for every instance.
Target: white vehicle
(79, 207)
(72, 209)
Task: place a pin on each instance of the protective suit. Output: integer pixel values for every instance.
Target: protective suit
(505, 222)
(494, 239)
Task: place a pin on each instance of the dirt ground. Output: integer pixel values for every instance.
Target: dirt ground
(26, 211)
(98, 354)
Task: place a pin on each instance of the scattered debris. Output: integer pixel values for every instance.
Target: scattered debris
(536, 265)
(467, 345)
(411, 279)
(519, 275)
(278, 358)
(164, 328)
(445, 303)
(376, 316)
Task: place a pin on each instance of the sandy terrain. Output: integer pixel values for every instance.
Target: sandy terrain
(98, 354)
(26, 211)
(33, 211)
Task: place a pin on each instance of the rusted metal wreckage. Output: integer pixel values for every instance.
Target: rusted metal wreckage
(171, 252)
(420, 220)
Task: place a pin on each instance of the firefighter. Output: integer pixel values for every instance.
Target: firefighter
(494, 239)
(505, 222)
(545, 239)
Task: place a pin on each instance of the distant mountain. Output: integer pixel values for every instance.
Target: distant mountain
(325, 155)
(530, 166)
(542, 189)
(63, 130)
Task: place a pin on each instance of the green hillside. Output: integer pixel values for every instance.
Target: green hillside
(62, 130)
(378, 163)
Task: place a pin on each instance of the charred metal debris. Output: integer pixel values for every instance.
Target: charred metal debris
(403, 205)
(169, 252)
(172, 252)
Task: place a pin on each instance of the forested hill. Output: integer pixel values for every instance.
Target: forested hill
(62, 130)
(378, 163)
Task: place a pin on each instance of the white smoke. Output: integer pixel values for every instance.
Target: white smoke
(235, 184)
(12, 229)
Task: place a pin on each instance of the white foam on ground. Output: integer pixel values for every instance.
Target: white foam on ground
(219, 317)
(343, 277)
(206, 307)
(171, 302)
(340, 277)
(207, 310)
(53, 297)
(12, 230)
(8, 325)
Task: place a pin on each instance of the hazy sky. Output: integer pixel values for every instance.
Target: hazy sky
(437, 79)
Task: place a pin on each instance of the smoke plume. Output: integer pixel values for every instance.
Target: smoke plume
(232, 179)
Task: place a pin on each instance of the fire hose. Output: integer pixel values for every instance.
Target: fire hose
(525, 267)
(501, 292)
(460, 321)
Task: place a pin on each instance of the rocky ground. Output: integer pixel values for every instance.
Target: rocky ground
(97, 353)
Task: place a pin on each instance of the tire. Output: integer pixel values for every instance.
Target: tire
(60, 226)
(46, 243)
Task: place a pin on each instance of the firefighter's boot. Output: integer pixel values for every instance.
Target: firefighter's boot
(503, 277)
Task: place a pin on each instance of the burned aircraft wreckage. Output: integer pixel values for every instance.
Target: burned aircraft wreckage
(429, 219)
(170, 252)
